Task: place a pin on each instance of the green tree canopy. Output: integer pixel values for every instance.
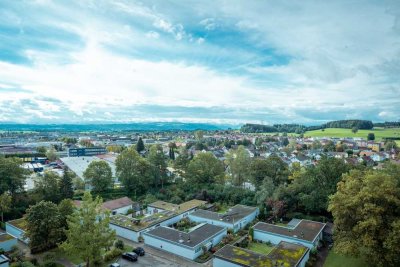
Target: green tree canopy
(12, 175)
(99, 175)
(204, 169)
(88, 230)
(366, 215)
(140, 145)
(238, 161)
(5, 204)
(158, 163)
(133, 170)
(44, 228)
(47, 187)
(371, 136)
(66, 190)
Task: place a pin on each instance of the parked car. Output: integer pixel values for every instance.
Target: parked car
(115, 265)
(139, 251)
(130, 256)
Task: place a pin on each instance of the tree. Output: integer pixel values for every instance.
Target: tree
(51, 154)
(316, 144)
(5, 204)
(183, 159)
(285, 141)
(391, 145)
(88, 230)
(43, 227)
(204, 169)
(329, 146)
(133, 170)
(66, 190)
(12, 175)
(41, 149)
(265, 191)
(159, 166)
(238, 161)
(140, 145)
(354, 129)
(366, 215)
(199, 134)
(312, 187)
(99, 175)
(47, 187)
(371, 136)
(65, 208)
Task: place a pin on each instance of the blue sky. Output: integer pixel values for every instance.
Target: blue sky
(199, 61)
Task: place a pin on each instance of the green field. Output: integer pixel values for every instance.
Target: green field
(337, 260)
(339, 132)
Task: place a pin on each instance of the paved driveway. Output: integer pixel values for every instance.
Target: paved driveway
(147, 260)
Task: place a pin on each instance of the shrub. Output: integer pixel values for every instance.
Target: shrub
(50, 256)
(34, 261)
(51, 264)
(119, 244)
(112, 254)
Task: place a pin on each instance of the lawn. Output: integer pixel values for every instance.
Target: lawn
(260, 248)
(337, 260)
(339, 132)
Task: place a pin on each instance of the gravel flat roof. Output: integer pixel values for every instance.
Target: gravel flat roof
(191, 239)
(305, 229)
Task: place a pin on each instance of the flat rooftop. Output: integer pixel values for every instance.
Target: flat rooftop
(5, 237)
(190, 239)
(284, 254)
(19, 223)
(141, 224)
(185, 206)
(234, 214)
(79, 164)
(304, 230)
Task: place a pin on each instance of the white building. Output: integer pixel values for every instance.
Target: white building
(189, 245)
(235, 218)
(305, 232)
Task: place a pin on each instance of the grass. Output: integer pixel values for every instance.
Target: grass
(339, 132)
(337, 260)
(260, 248)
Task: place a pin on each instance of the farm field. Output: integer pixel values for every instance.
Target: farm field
(339, 132)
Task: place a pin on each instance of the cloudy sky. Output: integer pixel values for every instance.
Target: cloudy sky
(199, 61)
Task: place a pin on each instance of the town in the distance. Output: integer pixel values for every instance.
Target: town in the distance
(283, 195)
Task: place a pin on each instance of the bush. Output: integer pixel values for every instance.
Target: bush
(112, 254)
(119, 244)
(34, 261)
(50, 256)
(51, 264)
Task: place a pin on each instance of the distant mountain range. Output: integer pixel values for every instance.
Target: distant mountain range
(142, 126)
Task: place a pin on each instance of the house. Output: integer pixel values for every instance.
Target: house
(187, 206)
(235, 218)
(160, 213)
(284, 254)
(7, 242)
(4, 261)
(186, 244)
(17, 229)
(121, 205)
(305, 232)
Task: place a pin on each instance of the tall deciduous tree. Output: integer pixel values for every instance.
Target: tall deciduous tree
(88, 230)
(238, 161)
(51, 154)
(159, 166)
(47, 187)
(182, 161)
(5, 204)
(66, 190)
(366, 215)
(43, 226)
(12, 175)
(371, 136)
(204, 168)
(140, 145)
(133, 170)
(99, 175)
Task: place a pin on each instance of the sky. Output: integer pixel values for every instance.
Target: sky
(229, 62)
